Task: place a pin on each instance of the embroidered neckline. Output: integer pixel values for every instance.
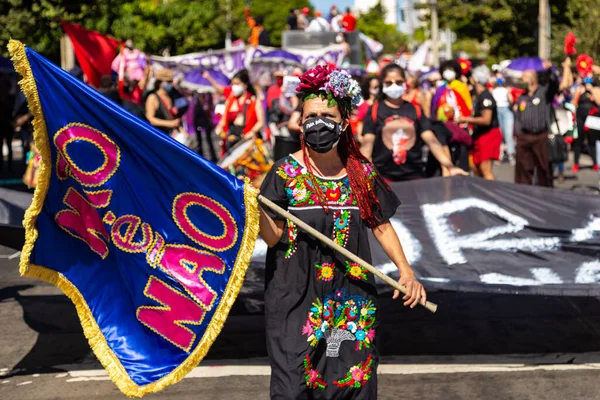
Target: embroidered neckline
(317, 175)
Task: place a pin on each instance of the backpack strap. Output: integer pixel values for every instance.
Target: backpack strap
(374, 112)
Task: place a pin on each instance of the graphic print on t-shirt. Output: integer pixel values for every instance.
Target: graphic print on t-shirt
(399, 136)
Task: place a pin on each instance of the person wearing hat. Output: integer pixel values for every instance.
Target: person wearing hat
(159, 103)
(318, 24)
(303, 18)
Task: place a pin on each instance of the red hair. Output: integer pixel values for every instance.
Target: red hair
(362, 188)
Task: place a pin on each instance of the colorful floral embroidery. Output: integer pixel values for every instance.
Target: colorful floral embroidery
(341, 226)
(301, 192)
(356, 272)
(292, 230)
(325, 272)
(313, 379)
(358, 375)
(339, 318)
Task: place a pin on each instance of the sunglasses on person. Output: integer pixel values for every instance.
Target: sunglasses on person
(390, 82)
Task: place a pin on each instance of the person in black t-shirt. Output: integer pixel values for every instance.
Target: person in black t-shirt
(292, 20)
(487, 136)
(394, 136)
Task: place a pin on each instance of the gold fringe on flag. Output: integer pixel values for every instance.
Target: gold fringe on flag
(92, 331)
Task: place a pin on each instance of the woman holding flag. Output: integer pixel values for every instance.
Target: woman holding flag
(321, 309)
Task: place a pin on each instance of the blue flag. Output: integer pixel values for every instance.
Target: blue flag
(150, 241)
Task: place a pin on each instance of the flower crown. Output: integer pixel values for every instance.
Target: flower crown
(333, 84)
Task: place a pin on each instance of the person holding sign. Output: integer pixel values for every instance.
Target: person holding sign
(321, 308)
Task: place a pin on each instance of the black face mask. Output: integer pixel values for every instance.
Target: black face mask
(321, 134)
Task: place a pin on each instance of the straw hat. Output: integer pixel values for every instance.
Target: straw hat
(165, 75)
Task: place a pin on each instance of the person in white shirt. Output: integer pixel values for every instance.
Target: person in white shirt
(336, 20)
(506, 117)
(318, 24)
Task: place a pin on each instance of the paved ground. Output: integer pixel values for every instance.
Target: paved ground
(43, 354)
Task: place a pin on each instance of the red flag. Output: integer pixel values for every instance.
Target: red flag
(570, 41)
(94, 51)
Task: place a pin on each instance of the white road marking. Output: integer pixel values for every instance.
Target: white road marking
(36, 375)
(24, 383)
(64, 375)
(383, 369)
(17, 254)
(5, 382)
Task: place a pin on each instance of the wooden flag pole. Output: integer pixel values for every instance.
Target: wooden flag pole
(328, 242)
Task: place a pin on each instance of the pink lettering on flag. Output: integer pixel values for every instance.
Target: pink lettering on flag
(219, 243)
(175, 311)
(74, 133)
(187, 265)
(99, 198)
(125, 240)
(82, 221)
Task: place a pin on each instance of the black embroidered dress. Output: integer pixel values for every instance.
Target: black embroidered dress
(321, 310)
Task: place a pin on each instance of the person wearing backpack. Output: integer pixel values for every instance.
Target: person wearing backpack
(394, 136)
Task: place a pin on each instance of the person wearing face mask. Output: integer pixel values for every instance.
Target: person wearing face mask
(487, 136)
(281, 105)
(341, 40)
(532, 124)
(244, 116)
(159, 103)
(394, 135)
(587, 101)
(332, 187)
(451, 91)
(370, 92)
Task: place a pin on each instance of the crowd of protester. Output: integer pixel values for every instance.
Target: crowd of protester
(412, 126)
(301, 19)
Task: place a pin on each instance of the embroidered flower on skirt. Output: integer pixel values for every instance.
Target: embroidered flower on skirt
(356, 272)
(358, 375)
(313, 379)
(341, 312)
(325, 272)
(292, 231)
(341, 226)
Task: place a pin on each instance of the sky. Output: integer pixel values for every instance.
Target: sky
(325, 5)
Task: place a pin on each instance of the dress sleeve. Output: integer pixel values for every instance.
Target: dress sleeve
(388, 201)
(273, 188)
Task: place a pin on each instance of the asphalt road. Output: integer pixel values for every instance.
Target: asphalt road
(43, 354)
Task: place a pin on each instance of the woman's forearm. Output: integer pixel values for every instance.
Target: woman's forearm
(437, 149)
(270, 230)
(163, 123)
(387, 237)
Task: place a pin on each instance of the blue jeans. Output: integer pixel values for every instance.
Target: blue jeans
(507, 123)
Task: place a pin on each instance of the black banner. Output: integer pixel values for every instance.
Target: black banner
(468, 234)
(12, 210)
(460, 234)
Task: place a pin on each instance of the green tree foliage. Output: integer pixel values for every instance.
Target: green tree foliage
(372, 23)
(582, 18)
(511, 27)
(182, 26)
